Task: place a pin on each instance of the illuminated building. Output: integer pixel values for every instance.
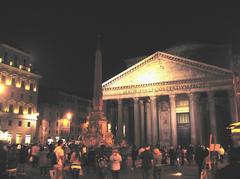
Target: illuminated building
(176, 97)
(18, 99)
(61, 114)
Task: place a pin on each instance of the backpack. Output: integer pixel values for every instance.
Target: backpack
(102, 162)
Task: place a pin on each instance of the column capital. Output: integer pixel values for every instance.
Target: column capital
(172, 96)
(193, 96)
(119, 101)
(152, 97)
(135, 100)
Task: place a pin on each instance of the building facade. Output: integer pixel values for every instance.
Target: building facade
(61, 115)
(19, 93)
(165, 99)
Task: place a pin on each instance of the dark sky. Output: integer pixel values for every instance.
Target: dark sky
(62, 36)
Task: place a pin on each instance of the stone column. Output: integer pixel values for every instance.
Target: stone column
(126, 121)
(136, 122)
(148, 123)
(120, 120)
(173, 119)
(142, 131)
(212, 115)
(193, 117)
(153, 105)
(233, 106)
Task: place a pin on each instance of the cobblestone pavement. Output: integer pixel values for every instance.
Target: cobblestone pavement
(188, 172)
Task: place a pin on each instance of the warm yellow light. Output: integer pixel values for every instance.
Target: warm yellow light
(8, 82)
(3, 135)
(29, 69)
(35, 89)
(235, 131)
(27, 87)
(18, 85)
(25, 112)
(2, 88)
(1, 60)
(11, 63)
(20, 66)
(32, 116)
(16, 111)
(235, 124)
(69, 115)
(65, 123)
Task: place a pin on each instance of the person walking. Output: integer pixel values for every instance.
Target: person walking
(116, 160)
(59, 152)
(43, 161)
(147, 162)
(35, 152)
(75, 163)
(157, 163)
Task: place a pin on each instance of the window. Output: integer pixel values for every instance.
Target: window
(24, 62)
(29, 124)
(22, 84)
(3, 79)
(20, 110)
(10, 109)
(21, 96)
(56, 132)
(27, 139)
(15, 60)
(18, 138)
(29, 110)
(30, 98)
(13, 82)
(5, 57)
(31, 86)
(9, 122)
(57, 124)
(40, 122)
(12, 94)
(19, 123)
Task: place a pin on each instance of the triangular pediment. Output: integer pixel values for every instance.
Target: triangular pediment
(161, 67)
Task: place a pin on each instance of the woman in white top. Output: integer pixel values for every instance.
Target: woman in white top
(116, 160)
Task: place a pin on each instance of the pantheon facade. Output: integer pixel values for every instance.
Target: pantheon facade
(165, 99)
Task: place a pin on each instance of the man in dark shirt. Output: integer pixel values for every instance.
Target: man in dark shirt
(147, 162)
(232, 170)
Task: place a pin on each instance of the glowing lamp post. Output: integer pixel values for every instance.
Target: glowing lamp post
(69, 116)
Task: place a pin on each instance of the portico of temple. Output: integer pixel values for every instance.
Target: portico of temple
(169, 100)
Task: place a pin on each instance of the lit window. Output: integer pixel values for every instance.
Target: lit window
(19, 123)
(18, 138)
(29, 124)
(1, 59)
(27, 139)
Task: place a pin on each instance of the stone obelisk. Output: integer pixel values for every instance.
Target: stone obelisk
(96, 132)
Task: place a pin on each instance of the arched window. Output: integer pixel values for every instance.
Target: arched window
(20, 110)
(31, 86)
(29, 110)
(15, 60)
(22, 84)
(10, 109)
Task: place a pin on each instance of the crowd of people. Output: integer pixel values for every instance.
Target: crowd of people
(75, 160)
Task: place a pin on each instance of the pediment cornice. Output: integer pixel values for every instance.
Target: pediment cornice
(171, 58)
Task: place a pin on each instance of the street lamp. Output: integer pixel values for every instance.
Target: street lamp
(69, 115)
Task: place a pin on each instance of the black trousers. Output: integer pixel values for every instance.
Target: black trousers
(115, 174)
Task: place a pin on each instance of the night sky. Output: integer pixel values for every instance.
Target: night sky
(62, 36)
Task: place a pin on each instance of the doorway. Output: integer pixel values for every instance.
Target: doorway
(183, 129)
